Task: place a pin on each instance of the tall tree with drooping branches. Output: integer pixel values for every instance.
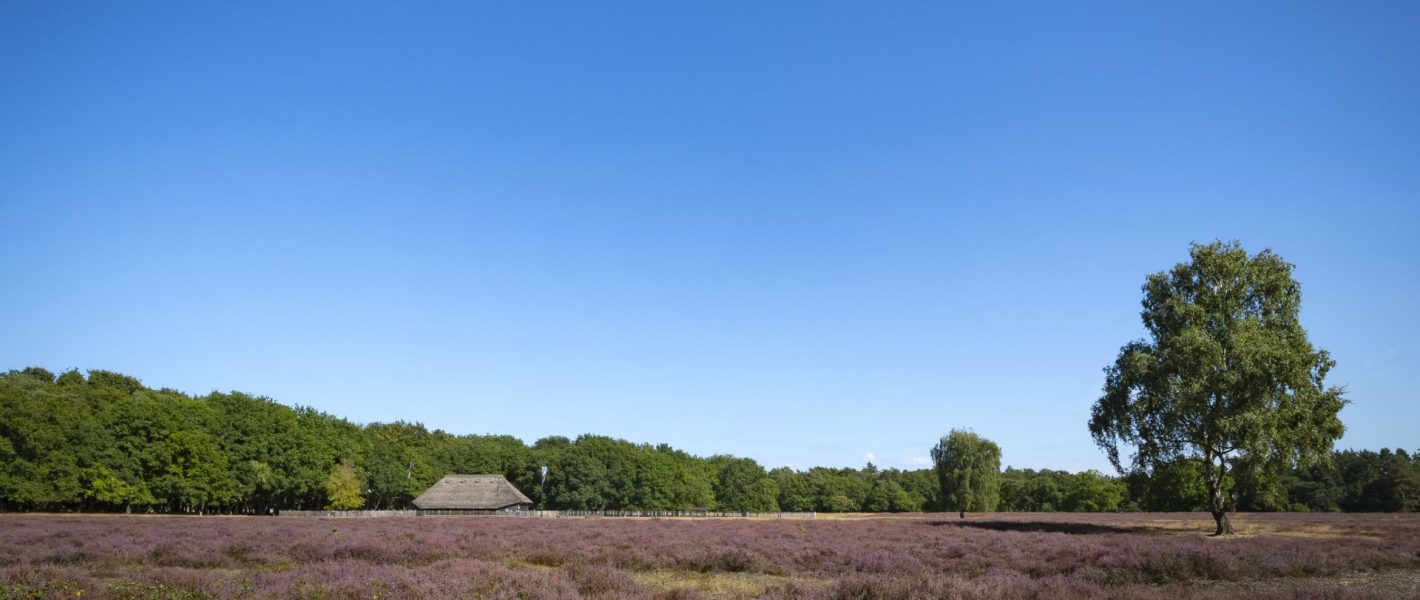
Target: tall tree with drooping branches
(969, 470)
(1228, 378)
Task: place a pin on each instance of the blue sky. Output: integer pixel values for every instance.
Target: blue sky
(797, 231)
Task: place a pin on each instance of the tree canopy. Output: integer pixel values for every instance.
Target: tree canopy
(108, 443)
(1228, 379)
(968, 469)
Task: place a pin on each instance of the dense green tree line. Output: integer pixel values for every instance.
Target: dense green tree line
(1363, 480)
(869, 489)
(1026, 490)
(1352, 480)
(106, 442)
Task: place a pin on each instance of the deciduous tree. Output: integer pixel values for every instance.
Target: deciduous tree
(1227, 378)
(969, 472)
(342, 488)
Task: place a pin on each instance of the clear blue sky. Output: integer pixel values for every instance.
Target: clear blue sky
(797, 231)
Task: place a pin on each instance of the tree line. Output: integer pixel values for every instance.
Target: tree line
(106, 442)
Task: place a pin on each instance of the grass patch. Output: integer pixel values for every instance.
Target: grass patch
(721, 584)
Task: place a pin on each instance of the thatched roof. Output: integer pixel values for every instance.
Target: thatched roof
(471, 492)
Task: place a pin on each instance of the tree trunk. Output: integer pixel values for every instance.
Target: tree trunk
(1217, 503)
(1225, 526)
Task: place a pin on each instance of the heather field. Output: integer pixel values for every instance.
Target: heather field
(920, 556)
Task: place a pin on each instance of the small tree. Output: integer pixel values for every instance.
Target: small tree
(969, 470)
(342, 488)
(1229, 380)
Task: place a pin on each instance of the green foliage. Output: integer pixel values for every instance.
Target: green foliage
(1358, 480)
(743, 485)
(1169, 487)
(342, 488)
(577, 479)
(1258, 489)
(1092, 491)
(879, 499)
(796, 494)
(1228, 379)
(923, 487)
(1031, 491)
(1028, 490)
(114, 445)
(38, 373)
(968, 469)
(840, 490)
(840, 503)
(195, 474)
(695, 483)
(902, 501)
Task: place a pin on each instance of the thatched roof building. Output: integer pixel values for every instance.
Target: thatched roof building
(472, 493)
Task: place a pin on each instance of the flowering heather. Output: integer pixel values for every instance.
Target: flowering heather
(924, 556)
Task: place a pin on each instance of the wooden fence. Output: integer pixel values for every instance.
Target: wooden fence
(702, 514)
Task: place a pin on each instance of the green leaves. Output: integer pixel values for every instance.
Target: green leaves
(66, 444)
(969, 469)
(1228, 375)
(342, 488)
(743, 485)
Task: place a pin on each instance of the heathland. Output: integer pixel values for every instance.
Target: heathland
(1164, 556)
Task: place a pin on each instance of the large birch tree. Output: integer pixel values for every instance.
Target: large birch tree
(1228, 378)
